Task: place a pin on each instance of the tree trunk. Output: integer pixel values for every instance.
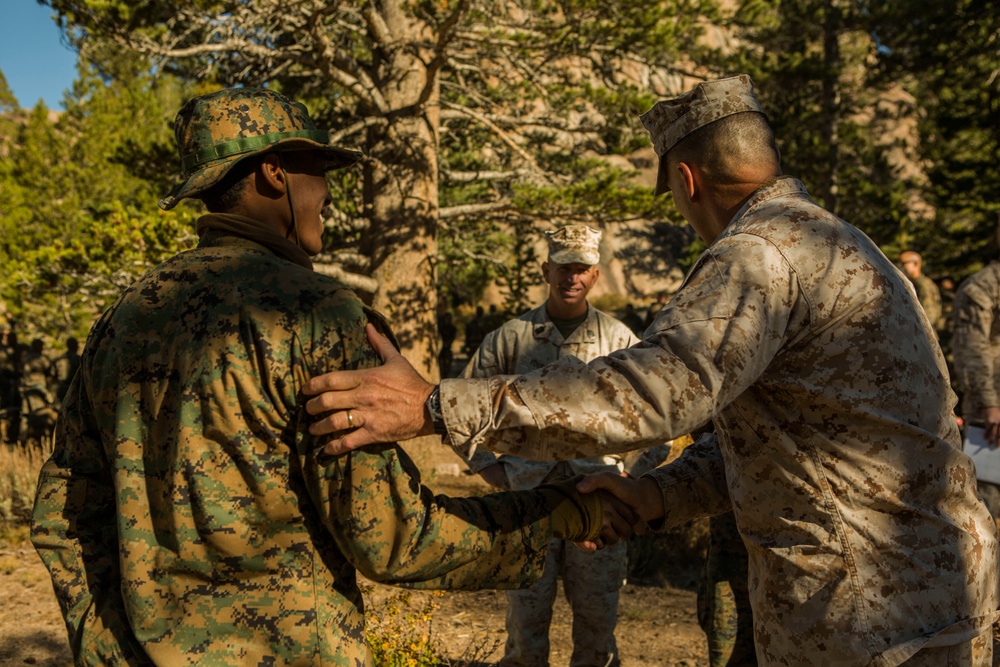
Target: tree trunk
(403, 174)
(831, 102)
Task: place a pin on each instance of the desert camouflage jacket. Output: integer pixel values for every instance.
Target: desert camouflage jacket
(531, 341)
(186, 517)
(838, 446)
(976, 341)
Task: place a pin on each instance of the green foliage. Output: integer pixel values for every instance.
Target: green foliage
(522, 272)
(505, 62)
(78, 218)
(954, 76)
(533, 93)
(398, 634)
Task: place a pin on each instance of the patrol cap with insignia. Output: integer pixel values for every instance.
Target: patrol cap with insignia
(215, 131)
(669, 121)
(574, 244)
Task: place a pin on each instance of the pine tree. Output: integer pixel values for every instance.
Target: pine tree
(470, 111)
(74, 215)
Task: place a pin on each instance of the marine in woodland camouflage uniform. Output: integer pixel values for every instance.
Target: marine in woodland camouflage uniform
(724, 610)
(837, 445)
(927, 290)
(723, 601)
(976, 349)
(564, 325)
(187, 516)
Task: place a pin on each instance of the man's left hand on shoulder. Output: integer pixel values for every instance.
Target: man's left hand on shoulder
(383, 404)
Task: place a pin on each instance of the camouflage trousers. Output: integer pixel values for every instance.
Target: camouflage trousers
(724, 598)
(591, 582)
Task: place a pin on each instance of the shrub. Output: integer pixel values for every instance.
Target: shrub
(19, 468)
(398, 634)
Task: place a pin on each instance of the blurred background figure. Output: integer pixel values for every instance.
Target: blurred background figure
(927, 291)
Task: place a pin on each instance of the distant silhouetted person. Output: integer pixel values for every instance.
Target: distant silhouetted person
(64, 368)
(447, 331)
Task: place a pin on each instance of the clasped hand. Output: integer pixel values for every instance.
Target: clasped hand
(627, 505)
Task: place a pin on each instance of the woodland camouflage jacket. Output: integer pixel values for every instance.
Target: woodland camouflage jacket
(838, 446)
(185, 516)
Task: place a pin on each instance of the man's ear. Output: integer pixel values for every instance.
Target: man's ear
(272, 175)
(545, 265)
(690, 180)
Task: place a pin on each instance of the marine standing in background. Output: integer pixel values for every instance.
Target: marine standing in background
(65, 367)
(837, 448)
(565, 325)
(927, 291)
(10, 380)
(447, 331)
(187, 517)
(475, 331)
(36, 369)
(975, 345)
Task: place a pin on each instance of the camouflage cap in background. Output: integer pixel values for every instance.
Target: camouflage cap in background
(574, 244)
(669, 121)
(215, 131)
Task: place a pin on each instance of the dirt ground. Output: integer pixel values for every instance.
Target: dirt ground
(657, 624)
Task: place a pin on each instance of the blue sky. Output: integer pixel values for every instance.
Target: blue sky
(36, 63)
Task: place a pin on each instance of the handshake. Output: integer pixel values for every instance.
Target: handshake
(599, 510)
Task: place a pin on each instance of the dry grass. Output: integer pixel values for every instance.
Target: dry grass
(19, 467)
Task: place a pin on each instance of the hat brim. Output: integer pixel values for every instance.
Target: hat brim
(211, 173)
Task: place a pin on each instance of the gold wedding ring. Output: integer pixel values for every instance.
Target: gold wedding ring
(350, 419)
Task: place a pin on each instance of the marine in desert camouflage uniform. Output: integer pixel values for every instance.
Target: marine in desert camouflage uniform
(564, 325)
(976, 349)
(837, 446)
(187, 516)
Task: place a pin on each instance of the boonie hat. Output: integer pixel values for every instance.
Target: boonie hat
(574, 244)
(215, 131)
(669, 121)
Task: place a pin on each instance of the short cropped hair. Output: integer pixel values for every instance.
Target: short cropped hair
(722, 147)
(224, 195)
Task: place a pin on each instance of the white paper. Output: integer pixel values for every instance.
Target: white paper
(986, 458)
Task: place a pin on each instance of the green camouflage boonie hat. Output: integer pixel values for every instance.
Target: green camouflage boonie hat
(214, 132)
(574, 244)
(669, 121)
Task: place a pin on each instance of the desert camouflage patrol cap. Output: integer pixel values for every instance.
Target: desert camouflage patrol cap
(574, 244)
(215, 131)
(669, 121)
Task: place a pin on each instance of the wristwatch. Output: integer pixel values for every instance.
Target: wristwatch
(433, 406)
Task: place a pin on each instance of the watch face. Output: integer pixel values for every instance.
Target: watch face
(434, 404)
